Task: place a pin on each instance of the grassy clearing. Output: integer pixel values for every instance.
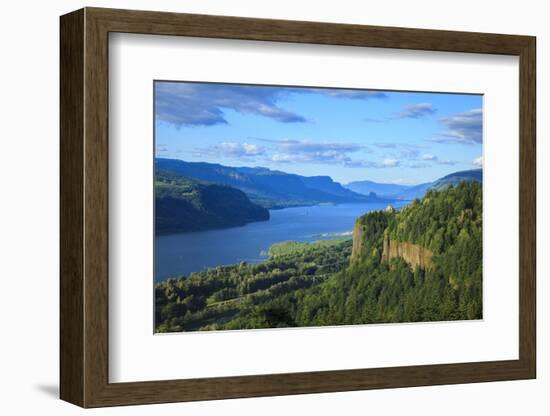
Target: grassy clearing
(293, 247)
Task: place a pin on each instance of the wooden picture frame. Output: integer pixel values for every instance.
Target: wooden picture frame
(84, 207)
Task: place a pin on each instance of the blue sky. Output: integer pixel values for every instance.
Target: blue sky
(350, 135)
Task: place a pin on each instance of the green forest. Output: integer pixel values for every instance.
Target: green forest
(321, 283)
(183, 204)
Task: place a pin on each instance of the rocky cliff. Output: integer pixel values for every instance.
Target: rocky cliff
(413, 254)
(358, 235)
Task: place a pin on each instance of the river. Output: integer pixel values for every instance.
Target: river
(184, 253)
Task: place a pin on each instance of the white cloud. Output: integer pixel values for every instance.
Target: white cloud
(428, 156)
(205, 104)
(305, 146)
(305, 151)
(390, 162)
(463, 128)
(478, 161)
(407, 111)
(416, 111)
(446, 162)
(234, 150)
(349, 94)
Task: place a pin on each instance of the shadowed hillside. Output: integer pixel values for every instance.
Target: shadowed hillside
(266, 187)
(182, 205)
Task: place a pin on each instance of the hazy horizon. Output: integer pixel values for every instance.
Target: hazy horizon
(342, 183)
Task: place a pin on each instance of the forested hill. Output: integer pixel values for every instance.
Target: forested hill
(424, 262)
(182, 205)
(316, 284)
(266, 187)
(442, 220)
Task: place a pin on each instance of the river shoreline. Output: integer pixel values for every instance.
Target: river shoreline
(184, 253)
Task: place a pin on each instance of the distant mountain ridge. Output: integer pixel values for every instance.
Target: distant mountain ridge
(380, 189)
(409, 192)
(266, 187)
(326, 184)
(454, 178)
(457, 177)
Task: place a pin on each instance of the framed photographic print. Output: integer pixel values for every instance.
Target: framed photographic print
(256, 207)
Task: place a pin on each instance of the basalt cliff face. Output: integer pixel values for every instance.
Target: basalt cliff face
(358, 235)
(413, 254)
